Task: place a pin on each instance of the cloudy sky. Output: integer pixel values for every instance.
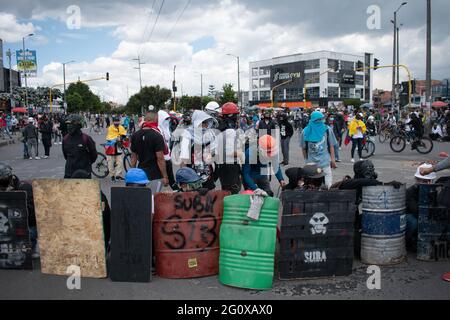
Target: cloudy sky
(196, 35)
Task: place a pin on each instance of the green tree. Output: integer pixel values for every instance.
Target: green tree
(352, 102)
(153, 95)
(229, 95)
(91, 102)
(74, 102)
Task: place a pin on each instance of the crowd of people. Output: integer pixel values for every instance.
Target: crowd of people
(220, 147)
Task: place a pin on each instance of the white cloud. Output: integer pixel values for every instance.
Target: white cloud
(11, 30)
(248, 31)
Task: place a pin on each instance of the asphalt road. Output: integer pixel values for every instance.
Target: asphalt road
(410, 280)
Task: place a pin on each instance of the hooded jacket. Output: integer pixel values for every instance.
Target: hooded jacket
(164, 128)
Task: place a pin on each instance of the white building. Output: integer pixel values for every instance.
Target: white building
(315, 71)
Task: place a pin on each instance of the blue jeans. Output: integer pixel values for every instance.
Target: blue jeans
(336, 151)
(33, 237)
(411, 231)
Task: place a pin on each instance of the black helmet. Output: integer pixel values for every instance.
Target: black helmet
(6, 172)
(365, 170)
(115, 118)
(74, 119)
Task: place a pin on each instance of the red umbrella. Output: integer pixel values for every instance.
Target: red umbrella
(19, 110)
(439, 104)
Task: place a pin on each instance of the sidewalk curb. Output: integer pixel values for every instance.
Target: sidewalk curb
(3, 143)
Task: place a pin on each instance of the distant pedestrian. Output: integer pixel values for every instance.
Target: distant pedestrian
(31, 135)
(46, 130)
(357, 129)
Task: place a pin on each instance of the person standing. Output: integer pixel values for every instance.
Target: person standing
(286, 133)
(46, 130)
(116, 134)
(317, 142)
(356, 131)
(78, 148)
(266, 124)
(148, 148)
(31, 136)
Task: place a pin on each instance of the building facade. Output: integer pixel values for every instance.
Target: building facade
(329, 77)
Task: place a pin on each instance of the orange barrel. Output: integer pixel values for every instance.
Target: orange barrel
(186, 228)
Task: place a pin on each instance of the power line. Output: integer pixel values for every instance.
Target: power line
(146, 26)
(156, 22)
(178, 19)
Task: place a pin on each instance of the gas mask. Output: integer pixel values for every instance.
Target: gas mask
(73, 129)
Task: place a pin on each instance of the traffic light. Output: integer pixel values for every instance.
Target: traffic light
(107, 76)
(376, 63)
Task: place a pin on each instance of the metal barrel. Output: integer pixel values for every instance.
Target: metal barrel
(383, 225)
(247, 247)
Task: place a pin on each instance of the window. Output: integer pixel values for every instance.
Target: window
(265, 95)
(312, 77)
(333, 63)
(345, 93)
(347, 65)
(255, 96)
(358, 93)
(264, 83)
(255, 72)
(279, 94)
(333, 92)
(265, 71)
(312, 64)
(333, 77)
(313, 93)
(294, 93)
(359, 80)
(255, 83)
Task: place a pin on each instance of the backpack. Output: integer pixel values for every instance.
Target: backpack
(84, 138)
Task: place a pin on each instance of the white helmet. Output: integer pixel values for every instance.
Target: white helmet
(212, 108)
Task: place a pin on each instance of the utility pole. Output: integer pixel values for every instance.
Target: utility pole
(428, 90)
(140, 77)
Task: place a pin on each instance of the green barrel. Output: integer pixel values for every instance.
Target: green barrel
(247, 247)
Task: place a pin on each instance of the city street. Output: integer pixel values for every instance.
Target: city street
(410, 280)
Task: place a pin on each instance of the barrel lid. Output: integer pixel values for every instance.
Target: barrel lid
(384, 210)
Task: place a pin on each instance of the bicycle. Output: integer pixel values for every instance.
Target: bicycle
(386, 132)
(100, 167)
(368, 148)
(423, 145)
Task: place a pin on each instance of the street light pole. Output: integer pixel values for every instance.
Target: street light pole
(140, 77)
(25, 69)
(64, 78)
(239, 78)
(428, 90)
(395, 57)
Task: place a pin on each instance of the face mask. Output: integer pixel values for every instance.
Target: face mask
(73, 129)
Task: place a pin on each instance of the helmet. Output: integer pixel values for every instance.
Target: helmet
(212, 107)
(230, 108)
(137, 176)
(6, 171)
(30, 120)
(74, 119)
(115, 119)
(187, 175)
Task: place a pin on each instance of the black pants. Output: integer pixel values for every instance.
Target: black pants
(285, 149)
(230, 177)
(47, 144)
(169, 169)
(434, 136)
(357, 143)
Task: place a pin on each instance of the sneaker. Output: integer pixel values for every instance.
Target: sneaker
(340, 148)
(37, 158)
(45, 157)
(31, 158)
(352, 161)
(361, 159)
(338, 160)
(60, 142)
(56, 142)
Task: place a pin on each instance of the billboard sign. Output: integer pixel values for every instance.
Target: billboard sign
(27, 63)
(284, 72)
(347, 78)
